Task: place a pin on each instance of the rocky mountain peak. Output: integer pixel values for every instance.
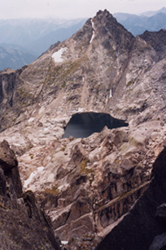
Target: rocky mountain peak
(157, 40)
(105, 13)
(85, 183)
(82, 69)
(108, 29)
(104, 27)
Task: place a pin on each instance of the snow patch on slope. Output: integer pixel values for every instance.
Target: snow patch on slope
(93, 34)
(57, 56)
(110, 93)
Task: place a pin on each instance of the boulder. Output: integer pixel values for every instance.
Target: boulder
(7, 157)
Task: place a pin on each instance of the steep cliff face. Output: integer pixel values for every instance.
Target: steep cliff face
(144, 226)
(157, 41)
(9, 82)
(23, 224)
(87, 185)
(141, 92)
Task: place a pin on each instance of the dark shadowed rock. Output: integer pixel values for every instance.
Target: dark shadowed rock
(157, 40)
(161, 212)
(7, 157)
(2, 183)
(143, 228)
(23, 224)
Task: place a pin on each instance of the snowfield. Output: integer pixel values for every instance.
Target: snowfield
(57, 56)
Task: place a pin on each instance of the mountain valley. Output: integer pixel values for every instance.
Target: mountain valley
(137, 24)
(24, 40)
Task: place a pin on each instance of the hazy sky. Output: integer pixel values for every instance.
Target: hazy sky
(73, 8)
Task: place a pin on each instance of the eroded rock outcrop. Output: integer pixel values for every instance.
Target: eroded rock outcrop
(144, 227)
(23, 224)
(87, 185)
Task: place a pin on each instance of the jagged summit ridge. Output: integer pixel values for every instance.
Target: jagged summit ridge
(157, 40)
(91, 61)
(103, 26)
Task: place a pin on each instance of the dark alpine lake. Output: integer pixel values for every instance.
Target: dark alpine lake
(82, 125)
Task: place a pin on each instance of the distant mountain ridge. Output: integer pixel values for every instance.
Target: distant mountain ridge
(137, 24)
(24, 40)
(14, 57)
(29, 38)
(152, 13)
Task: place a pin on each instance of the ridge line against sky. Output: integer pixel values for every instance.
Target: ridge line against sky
(71, 9)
